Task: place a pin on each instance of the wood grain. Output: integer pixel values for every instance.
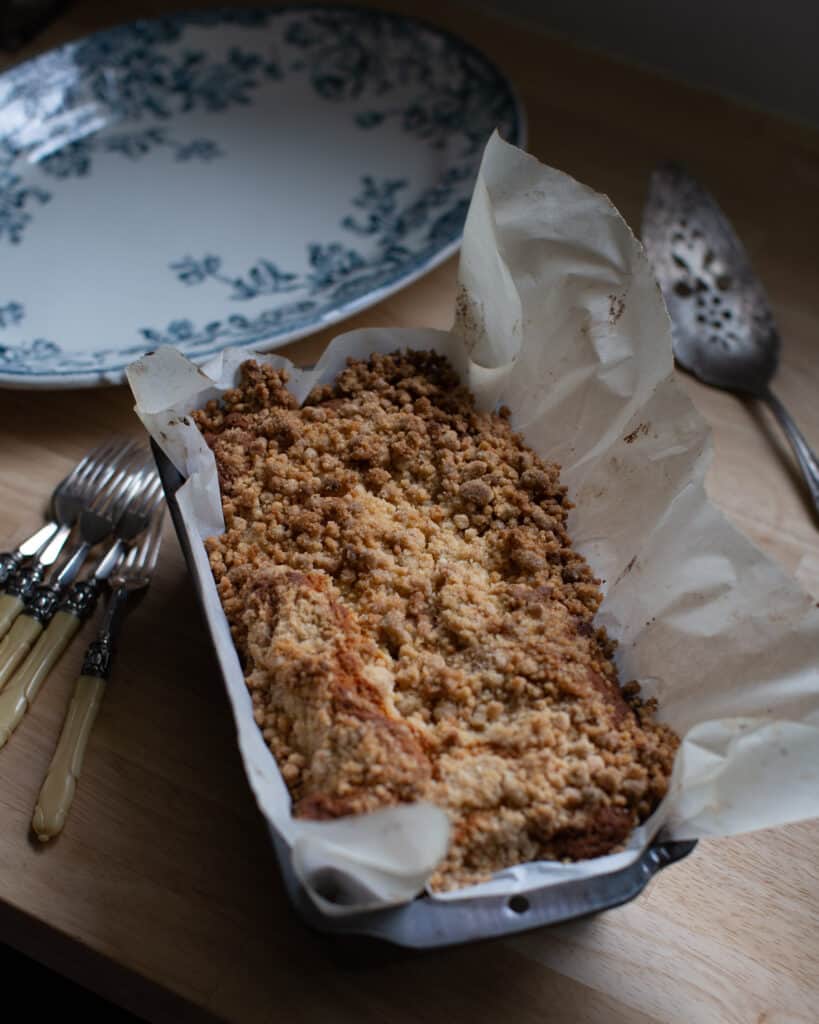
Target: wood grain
(163, 894)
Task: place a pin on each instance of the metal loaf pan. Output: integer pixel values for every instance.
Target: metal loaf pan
(426, 923)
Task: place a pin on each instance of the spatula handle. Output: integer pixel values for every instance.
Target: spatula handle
(805, 456)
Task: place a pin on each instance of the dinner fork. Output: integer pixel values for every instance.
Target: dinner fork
(97, 519)
(70, 497)
(60, 784)
(65, 506)
(72, 611)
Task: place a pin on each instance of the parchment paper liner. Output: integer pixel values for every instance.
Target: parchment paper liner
(559, 317)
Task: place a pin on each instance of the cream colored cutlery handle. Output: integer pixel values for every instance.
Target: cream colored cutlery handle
(16, 644)
(24, 685)
(60, 784)
(10, 608)
(30, 676)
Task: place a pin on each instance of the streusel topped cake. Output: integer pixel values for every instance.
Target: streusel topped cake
(413, 621)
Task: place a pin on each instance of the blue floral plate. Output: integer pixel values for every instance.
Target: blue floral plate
(229, 177)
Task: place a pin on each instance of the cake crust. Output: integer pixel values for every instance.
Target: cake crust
(414, 622)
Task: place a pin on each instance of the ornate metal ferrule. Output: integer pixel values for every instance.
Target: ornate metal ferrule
(42, 604)
(98, 657)
(81, 598)
(9, 561)
(22, 583)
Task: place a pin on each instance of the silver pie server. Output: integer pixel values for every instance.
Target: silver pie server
(723, 329)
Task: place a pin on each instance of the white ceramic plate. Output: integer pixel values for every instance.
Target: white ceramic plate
(229, 178)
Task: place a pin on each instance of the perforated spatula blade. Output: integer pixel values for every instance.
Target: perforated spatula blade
(723, 329)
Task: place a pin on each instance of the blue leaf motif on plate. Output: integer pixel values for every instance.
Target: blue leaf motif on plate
(215, 87)
(379, 201)
(130, 73)
(337, 271)
(113, 46)
(448, 223)
(330, 264)
(71, 161)
(347, 52)
(181, 330)
(8, 153)
(74, 159)
(235, 330)
(11, 313)
(134, 145)
(392, 75)
(15, 203)
(263, 278)
(352, 54)
(191, 271)
(369, 119)
(198, 149)
(36, 351)
(137, 85)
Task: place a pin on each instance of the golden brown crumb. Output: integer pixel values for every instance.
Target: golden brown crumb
(414, 623)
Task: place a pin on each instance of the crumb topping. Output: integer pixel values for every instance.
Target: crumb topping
(413, 621)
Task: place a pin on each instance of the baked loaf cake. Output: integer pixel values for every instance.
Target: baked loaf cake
(413, 621)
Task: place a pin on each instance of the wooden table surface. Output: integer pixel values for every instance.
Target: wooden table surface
(163, 893)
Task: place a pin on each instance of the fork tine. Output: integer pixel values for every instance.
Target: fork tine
(105, 485)
(149, 496)
(107, 498)
(84, 467)
(140, 491)
(155, 542)
(94, 470)
(156, 494)
(87, 471)
(124, 483)
(106, 467)
(97, 461)
(148, 547)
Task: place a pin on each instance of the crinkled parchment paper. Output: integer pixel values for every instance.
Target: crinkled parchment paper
(559, 317)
